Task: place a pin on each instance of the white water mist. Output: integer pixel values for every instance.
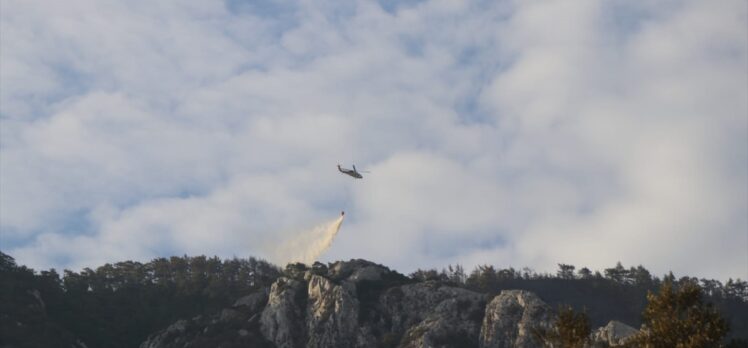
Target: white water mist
(309, 245)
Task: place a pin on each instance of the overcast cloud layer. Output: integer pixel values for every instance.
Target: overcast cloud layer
(522, 133)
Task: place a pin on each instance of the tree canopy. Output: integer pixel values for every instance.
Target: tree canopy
(676, 316)
(119, 304)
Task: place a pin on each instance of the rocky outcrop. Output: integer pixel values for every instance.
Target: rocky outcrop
(332, 314)
(512, 317)
(253, 302)
(282, 320)
(237, 326)
(430, 315)
(364, 305)
(356, 270)
(317, 307)
(454, 322)
(614, 334)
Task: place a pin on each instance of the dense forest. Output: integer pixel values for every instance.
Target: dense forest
(120, 304)
(616, 293)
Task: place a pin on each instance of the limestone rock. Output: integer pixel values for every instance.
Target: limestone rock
(432, 315)
(455, 322)
(614, 334)
(408, 305)
(510, 319)
(332, 314)
(282, 320)
(360, 304)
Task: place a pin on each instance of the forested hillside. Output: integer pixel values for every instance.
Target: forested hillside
(616, 293)
(119, 305)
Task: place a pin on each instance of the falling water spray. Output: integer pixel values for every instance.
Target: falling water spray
(308, 246)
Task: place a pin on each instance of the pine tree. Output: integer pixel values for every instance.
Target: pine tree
(678, 318)
(570, 330)
(565, 271)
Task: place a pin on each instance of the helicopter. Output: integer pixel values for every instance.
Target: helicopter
(352, 172)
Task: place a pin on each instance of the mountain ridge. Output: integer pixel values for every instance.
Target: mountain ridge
(208, 302)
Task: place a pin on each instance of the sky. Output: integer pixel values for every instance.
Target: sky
(512, 133)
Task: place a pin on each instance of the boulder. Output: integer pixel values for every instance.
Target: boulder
(511, 319)
(454, 322)
(408, 305)
(614, 334)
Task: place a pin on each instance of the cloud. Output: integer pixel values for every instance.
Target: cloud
(512, 133)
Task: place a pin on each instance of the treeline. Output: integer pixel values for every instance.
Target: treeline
(186, 276)
(487, 278)
(675, 316)
(618, 292)
(118, 305)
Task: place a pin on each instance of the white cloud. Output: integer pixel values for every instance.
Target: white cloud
(513, 133)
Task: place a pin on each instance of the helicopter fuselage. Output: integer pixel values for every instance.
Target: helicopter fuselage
(352, 172)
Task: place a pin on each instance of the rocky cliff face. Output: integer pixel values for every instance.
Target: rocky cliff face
(361, 304)
(430, 315)
(332, 313)
(237, 326)
(510, 319)
(614, 334)
(283, 317)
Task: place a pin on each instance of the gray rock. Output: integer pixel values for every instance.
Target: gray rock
(455, 322)
(332, 314)
(282, 320)
(408, 305)
(230, 326)
(254, 301)
(325, 310)
(160, 339)
(510, 319)
(344, 269)
(432, 315)
(614, 334)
